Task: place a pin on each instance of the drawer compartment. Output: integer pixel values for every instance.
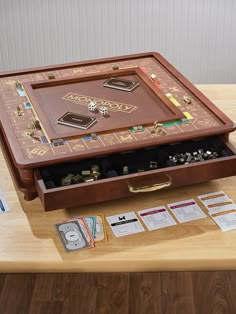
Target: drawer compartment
(143, 170)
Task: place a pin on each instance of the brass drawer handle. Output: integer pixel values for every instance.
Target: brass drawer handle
(150, 188)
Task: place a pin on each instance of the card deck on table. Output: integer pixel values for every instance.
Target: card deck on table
(85, 229)
(186, 210)
(217, 201)
(77, 120)
(72, 236)
(221, 209)
(121, 84)
(101, 232)
(91, 222)
(226, 220)
(125, 224)
(156, 218)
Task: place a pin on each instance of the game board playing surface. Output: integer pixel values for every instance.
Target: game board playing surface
(112, 132)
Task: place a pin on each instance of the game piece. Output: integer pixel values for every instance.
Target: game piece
(86, 172)
(31, 133)
(19, 89)
(94, 136)
(72, 236)
(103, 110)
(95, 172)
(92, 106)
(115, 66)
(187, 99)
(125, 170)
(19, 111)
(95, 168)
(37, 125)
(130, 225)
(153, 165)
(97, 176)
(138, 128)
(154, 78)
(18, 85)
(121, 84)
(51, 75)
(77, 179)
(158, 128)
(67, 179)
(89, 179)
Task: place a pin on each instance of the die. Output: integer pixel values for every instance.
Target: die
(92, 106)
(103, 110)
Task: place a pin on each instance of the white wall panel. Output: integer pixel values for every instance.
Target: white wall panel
(197, 36)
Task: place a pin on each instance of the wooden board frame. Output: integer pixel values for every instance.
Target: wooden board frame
(43, 115)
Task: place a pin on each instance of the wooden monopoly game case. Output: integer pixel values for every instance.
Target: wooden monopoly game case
(152, 129)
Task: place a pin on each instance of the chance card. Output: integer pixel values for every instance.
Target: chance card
(225, 220)
(217, 201)
(186, 210)
(125, 224)
(156, 218)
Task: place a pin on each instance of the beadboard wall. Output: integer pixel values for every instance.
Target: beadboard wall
(197, 36)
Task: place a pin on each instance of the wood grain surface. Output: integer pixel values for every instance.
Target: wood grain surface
(29, 242)
(122, 293)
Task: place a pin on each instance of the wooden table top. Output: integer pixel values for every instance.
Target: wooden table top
(29, 241)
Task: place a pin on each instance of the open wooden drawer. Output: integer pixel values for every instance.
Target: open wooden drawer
(114, 184)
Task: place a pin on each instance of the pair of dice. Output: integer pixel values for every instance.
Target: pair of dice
(92, 107)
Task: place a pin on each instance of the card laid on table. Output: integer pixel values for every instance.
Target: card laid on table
(217, 201)
(186, 210)
(226, 220)
(125, 224)
(156, 218)
(72, 236)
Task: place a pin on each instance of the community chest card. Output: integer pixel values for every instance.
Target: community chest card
(217, 201)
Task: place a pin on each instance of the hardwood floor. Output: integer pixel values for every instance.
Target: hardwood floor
(116, 293)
